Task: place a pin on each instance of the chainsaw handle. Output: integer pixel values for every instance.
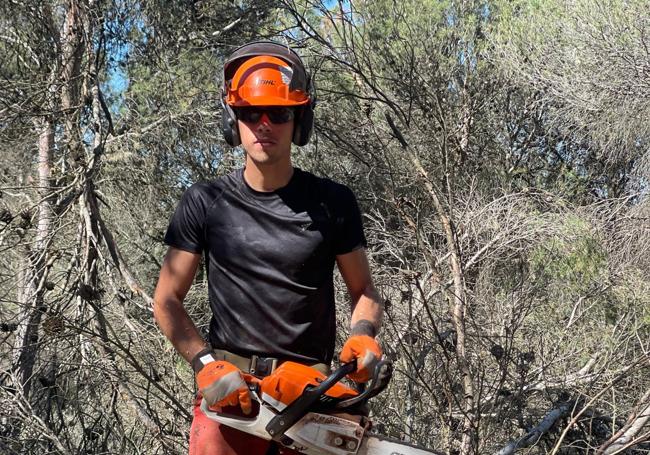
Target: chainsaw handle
(301, 406)
(335, 377)
(381, 375)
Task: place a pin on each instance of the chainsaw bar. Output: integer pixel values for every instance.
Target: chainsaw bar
(380, 445)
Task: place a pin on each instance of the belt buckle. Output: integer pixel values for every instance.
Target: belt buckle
(262, 366)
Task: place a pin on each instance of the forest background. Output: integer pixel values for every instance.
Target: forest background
(500, 151)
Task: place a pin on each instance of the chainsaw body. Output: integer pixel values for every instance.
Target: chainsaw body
(303, 409)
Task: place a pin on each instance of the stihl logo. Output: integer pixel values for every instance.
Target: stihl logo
(266, 82)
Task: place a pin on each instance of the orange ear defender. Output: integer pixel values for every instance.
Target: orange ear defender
(265, 73)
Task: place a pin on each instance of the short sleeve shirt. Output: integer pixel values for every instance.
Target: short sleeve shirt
(270, 258)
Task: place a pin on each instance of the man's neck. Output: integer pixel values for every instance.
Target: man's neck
(267, 178)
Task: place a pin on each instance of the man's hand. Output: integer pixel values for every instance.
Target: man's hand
(367, 353)
(222, 384)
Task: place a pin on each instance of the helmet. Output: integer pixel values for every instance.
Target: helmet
(265, 81)
(265, 73)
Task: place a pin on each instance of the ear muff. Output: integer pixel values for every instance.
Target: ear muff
(304, 124)
(229, 125)
(304, 120)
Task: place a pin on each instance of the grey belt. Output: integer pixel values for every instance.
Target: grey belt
(261, 366)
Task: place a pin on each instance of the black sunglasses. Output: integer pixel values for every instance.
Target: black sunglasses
(276, 115)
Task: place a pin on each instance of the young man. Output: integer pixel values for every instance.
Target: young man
(271, 234)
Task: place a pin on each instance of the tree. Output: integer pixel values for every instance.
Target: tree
(588, 61)
(82, 376)
(468, 180)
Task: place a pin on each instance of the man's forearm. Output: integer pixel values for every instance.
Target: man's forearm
(176, 325)
(367, 313)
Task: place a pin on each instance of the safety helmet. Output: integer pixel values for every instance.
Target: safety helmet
(265, 81)
(265, 73)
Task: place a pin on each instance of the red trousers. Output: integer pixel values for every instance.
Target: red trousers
(208, 437)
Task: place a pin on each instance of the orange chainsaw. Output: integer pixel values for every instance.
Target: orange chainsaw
(301, 408)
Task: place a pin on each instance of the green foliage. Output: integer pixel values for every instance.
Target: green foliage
(584, 60)
(633, 293)
(185, 82)
(572, 258)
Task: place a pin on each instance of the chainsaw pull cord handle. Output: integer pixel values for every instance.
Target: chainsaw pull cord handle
(297, 410)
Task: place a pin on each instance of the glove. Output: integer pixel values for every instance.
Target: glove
(222, 384)
(367, 353)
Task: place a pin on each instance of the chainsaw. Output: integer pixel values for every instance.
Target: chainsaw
(302, 409)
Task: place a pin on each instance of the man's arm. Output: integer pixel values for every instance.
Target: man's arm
(220, 383)
(367, 309)
(176, 276)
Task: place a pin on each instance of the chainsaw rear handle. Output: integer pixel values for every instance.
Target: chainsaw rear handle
(301, 406)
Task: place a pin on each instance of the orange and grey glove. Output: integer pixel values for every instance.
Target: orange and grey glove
(221, 383)
(367, 353)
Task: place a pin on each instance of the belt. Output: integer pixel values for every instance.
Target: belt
(261, 366)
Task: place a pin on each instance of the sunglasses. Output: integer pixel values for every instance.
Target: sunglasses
(276, 115)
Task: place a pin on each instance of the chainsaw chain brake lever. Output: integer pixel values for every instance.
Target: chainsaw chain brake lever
(301, 406)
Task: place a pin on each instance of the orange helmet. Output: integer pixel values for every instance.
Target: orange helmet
(266, 73)
(265, 81)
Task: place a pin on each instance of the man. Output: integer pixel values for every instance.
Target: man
(271, 234)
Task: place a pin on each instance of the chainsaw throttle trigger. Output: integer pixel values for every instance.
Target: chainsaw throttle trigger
(302, 405)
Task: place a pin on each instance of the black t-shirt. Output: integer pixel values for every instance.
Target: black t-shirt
(270, 260)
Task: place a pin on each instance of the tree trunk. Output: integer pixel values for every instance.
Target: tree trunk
(457, 298)
(68, 75)
(31, 295)
(73, 40)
